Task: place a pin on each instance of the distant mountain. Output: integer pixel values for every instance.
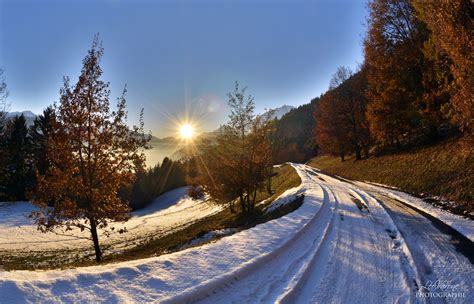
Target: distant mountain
(29, 116)
(277, 112)
(25, 113)
(163, 141)
(161, 148)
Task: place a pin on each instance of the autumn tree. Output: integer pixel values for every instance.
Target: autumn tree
(328, 136)
(341, 124)
(91, 153)
(436, 108)
(350, 108)
(451, 45)
(394, 61)
(236, 165)
(261, 142)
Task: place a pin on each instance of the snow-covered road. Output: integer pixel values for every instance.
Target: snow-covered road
(347, 243)
(440, 253)
(349, 253)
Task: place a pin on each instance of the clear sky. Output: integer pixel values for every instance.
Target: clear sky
(180, 57)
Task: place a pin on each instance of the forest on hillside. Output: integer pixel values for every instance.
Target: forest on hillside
(414, 87)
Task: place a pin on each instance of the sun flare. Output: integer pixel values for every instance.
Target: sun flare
(186, 131)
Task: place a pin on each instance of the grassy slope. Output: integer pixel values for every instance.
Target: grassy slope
(445, 170)
(285, 178)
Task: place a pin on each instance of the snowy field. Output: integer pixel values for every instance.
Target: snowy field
(169, 212)
(341, 246)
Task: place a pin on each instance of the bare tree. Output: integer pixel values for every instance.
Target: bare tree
(4, 106)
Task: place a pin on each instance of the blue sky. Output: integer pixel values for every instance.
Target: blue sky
(179, 57)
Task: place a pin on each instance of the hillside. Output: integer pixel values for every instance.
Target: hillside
(293, 138)
(444, 170)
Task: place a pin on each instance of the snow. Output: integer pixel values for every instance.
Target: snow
(174, 277)
(167, 213)
(461, 224)
(326, 251)
(209, 236)
(244, 258)
(277, 112)
(287, 197)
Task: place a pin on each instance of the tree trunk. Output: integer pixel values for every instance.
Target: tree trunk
(242, 204)
(254, 197)
(269, 182)
(357, 152)
(247, 201)
(95, 239)
(366, 151)
(341, 154)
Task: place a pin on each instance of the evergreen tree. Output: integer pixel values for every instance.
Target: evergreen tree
(40, 133)
(19, 168)
(155, 181)
(293, 141)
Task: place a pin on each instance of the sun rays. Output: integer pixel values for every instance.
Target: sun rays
(186, 132)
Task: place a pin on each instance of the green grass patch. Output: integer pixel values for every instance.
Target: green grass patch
(445, 170)
(284, 178)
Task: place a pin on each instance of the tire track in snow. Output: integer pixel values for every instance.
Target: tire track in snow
(434, 255)
(343, 255)
(357, 253)
(320, 254)
(248, 279)
(410, 270)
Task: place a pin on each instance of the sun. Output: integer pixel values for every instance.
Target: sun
(186, 131)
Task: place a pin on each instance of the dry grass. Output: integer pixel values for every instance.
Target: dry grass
(445, 170)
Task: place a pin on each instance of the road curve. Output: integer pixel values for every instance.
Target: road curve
(361, 247)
